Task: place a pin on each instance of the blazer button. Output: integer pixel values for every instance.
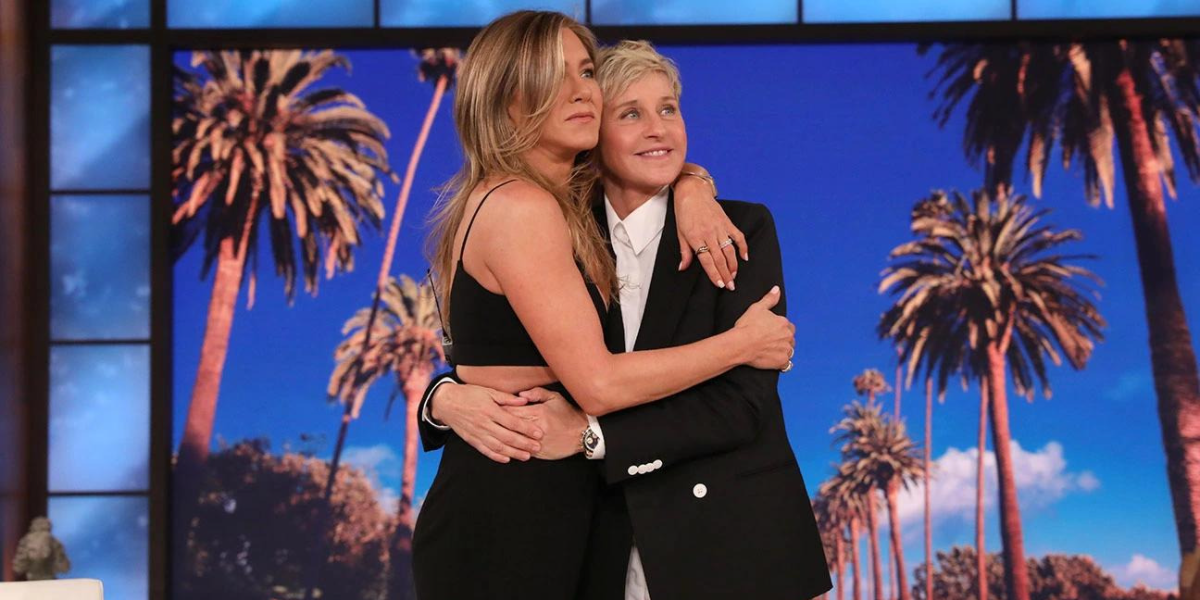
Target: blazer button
(632, 470)
(700, 490)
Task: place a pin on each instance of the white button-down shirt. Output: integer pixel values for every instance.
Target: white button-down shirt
(635, 241)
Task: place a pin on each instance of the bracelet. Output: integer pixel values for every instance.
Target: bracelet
(711, 182)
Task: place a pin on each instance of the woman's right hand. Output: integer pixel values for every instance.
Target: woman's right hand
(770, 339)
(475, 413)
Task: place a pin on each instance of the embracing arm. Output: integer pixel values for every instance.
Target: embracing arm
(717, 415)
(702, 222)
(564, 326)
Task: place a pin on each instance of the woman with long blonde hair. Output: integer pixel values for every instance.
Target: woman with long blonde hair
(526, 280)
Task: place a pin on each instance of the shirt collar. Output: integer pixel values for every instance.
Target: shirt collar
(644, 223)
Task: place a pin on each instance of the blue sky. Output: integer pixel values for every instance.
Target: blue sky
(838, 141)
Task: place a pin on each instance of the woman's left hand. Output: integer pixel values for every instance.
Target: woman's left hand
(561, 421)
(702, 223)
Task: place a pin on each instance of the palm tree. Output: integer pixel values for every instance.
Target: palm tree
(250, 135)
(899, 468)
(870, 383)
(846, 505)
(830, 530)
(1084, 96)
(926, 344)
(859, 422)
(403, 342)
(991, 272)
(878, 453)
(440, 66)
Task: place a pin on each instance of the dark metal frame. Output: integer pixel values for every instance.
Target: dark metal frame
(163, 42)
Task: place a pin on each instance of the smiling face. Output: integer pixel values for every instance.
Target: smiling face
(574, 121)
(643, 141)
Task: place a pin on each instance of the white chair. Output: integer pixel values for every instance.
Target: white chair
(62, 589)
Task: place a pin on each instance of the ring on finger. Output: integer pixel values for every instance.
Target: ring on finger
(791, 352)
(727, 243)
(702, 249)
(787, 367)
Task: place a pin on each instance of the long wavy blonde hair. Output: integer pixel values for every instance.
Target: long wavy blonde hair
(519, 55)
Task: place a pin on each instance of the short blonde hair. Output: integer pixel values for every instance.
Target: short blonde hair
(630, 60)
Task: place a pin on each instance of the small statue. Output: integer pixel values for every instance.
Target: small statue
(39, 554)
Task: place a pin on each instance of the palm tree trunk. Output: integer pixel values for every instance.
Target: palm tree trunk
(202, 409)
(400, 583)
(409, 174)
(873, 534)
(893, 491)
(891, 575)
(980, 550)
(926, 475)
(1016, 574)
(839, 564)
(855, 558)
(197, 432)
(1173, 360)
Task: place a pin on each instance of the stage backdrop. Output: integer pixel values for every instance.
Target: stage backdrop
(846, 145)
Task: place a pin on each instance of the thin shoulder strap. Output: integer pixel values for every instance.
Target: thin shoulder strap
(463, 248)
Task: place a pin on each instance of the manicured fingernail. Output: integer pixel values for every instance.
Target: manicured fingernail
(731, 286)
(720, 283)
(775, 289)
(733, 275)
(680, 268)
(745, 256)
(537, 447)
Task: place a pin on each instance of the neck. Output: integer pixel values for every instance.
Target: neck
(626, 198)
(553, 165)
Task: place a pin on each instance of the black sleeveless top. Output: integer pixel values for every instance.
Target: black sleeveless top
(484, 328)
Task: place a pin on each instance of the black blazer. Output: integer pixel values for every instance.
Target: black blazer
(704, 480)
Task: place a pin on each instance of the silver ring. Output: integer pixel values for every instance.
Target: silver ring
(727, 243)
(791, 352)
(786, 368)
(702, 249)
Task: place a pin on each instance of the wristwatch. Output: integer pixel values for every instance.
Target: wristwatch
(590, 441)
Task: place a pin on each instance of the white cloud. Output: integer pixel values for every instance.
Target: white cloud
(379, 462)
(1142, 570)
(1041, 476)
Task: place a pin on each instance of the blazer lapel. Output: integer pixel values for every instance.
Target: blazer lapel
(614, 326)
(670, 288)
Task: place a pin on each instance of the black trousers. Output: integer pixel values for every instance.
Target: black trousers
(496, 531)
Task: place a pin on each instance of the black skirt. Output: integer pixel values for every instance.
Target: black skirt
(517, 530)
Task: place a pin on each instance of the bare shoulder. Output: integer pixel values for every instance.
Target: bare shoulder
(522, 195)
(521, 206)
